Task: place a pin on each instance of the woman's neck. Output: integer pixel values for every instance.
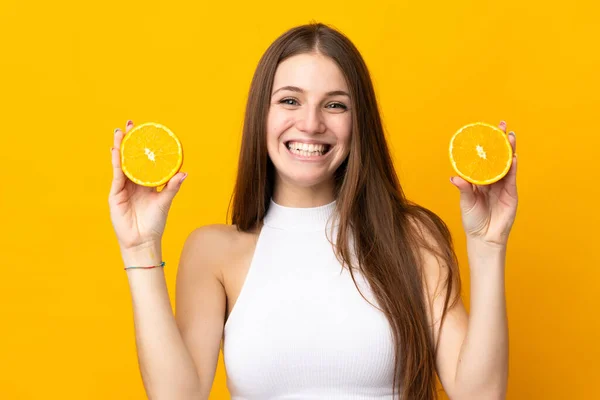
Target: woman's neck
(288, 195)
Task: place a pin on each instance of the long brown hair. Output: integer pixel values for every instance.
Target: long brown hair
(389, 232)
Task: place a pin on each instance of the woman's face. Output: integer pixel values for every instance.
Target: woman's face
(309, 121)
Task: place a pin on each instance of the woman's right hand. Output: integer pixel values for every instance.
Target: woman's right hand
(138, 213)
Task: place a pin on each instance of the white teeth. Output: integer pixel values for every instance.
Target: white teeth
(306, 147)
(306, 153)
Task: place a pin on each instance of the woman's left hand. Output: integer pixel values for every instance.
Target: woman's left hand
(488, 212)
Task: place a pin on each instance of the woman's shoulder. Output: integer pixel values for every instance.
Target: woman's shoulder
(216, 245)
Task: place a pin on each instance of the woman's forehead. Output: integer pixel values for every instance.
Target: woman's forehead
(311, 73)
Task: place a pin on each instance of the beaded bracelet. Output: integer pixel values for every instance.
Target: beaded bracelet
(162, 264)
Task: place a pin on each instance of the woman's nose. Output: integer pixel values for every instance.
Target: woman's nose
(311, 121)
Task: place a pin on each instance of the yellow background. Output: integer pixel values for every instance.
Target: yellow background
(72, 72)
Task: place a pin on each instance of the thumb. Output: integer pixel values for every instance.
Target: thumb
(467, 194)
(172, 188)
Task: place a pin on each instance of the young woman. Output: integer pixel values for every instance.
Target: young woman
(329, 283)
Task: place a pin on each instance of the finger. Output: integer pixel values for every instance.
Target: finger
(512, 138)
(502, 126)
(171, 189)
(118, 137)
(484, 189)
(119, 178)
(511, 178)
(128, 126)
(467, 192)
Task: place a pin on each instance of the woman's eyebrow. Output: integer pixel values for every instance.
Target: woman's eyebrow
(299, 90)
(338, 93)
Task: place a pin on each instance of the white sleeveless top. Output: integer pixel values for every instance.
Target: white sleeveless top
(300, 329)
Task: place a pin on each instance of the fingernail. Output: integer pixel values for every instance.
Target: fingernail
(183, 178)
(512, 133)
(130, 122)
(452, 180)
(117, 130)
(502, 122)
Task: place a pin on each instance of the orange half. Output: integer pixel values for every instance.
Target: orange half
(151, 154)
(480, 153)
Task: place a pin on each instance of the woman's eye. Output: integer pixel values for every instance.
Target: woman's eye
(289, 102)
(338, 106)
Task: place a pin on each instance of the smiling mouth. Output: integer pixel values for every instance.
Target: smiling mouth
(308, 150)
